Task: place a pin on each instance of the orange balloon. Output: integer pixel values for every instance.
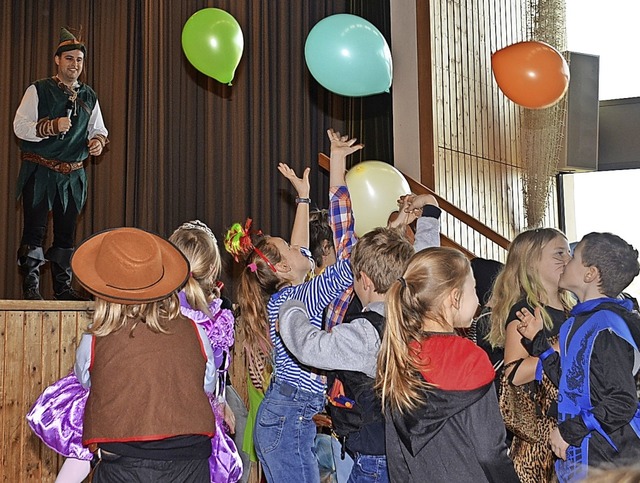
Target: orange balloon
(531, 74)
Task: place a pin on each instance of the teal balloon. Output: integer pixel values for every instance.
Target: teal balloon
(348, 55)
(213, 42)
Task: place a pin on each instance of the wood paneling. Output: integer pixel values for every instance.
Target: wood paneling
(477, 162)
(38, 347)
(38, 342)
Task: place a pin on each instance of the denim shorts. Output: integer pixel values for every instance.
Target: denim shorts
(284, 434)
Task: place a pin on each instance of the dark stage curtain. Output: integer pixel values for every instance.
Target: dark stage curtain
(183, 145)
(369, 118)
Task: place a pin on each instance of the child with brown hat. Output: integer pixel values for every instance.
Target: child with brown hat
(57, 415)
(143, 360)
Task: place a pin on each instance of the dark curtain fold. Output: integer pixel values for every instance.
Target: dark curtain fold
(183, 145)
(370, 118)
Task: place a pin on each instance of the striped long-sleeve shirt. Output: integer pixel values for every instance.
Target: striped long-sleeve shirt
(316, 294)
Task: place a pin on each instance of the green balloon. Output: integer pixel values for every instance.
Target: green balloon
(212, 41)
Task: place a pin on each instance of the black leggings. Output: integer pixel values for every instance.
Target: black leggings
(123, 469)
(36, 218)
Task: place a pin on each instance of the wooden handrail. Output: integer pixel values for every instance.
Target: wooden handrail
(45, 305)
(419, 188)
(445, 241)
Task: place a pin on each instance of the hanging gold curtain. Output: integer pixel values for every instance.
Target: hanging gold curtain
(542, 131)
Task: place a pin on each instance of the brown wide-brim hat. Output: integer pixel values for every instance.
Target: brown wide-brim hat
(129, 266)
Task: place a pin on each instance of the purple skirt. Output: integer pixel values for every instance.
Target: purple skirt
(57, 415)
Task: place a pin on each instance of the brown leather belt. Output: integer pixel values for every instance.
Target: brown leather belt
(54, 164)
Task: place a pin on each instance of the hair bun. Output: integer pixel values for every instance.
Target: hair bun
(237, 240)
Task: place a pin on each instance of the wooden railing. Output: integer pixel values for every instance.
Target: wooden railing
(465, 218)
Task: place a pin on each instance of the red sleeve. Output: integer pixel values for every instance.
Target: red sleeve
(200, 341)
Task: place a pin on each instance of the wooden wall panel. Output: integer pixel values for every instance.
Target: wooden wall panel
(38, 342)
(38, 347)
(50, 370)
(476, 128)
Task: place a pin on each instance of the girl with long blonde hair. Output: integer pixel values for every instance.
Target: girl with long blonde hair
(442, 417)
(200, 301)
(529, 279)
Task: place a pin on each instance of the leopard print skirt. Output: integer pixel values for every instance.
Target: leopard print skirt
(534, 461)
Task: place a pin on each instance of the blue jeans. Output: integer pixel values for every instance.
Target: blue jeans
(369, 468)
(284, 434)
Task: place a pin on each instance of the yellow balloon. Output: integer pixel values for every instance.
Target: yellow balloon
(375, 187)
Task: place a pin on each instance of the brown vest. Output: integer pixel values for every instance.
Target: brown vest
(147, 387)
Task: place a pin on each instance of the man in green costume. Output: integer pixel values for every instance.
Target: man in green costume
(60, 124)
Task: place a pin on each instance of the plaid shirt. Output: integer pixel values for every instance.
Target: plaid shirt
(342, 223)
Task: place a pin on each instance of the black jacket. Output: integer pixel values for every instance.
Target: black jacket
(457, 434)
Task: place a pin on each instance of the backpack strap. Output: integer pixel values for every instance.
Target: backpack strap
(374, 318)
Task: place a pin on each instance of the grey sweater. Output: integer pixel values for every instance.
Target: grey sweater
(353, 346)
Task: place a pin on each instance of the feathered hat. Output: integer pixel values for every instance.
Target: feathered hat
(69, 42)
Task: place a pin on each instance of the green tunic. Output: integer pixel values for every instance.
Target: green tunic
(52, 103)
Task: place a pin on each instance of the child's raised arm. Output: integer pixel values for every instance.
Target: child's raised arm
(405, 216)
(300, 230)
(340, 212)
(415, 203)
(341, 147)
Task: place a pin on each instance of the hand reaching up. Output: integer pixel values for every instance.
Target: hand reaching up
(412, 202)
(342, 145)
(301, 185)
(405, 215)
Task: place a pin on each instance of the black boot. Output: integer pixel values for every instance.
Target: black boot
(60, 261)
(29, 260)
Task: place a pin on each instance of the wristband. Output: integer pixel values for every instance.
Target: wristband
(431, 211)
(303, 200)
(541, 359)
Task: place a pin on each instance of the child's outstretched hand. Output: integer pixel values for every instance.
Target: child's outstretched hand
(417, 202)
(414, 203)
(529, 324)
(342, 145)
(301, 185)
(406, 216)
